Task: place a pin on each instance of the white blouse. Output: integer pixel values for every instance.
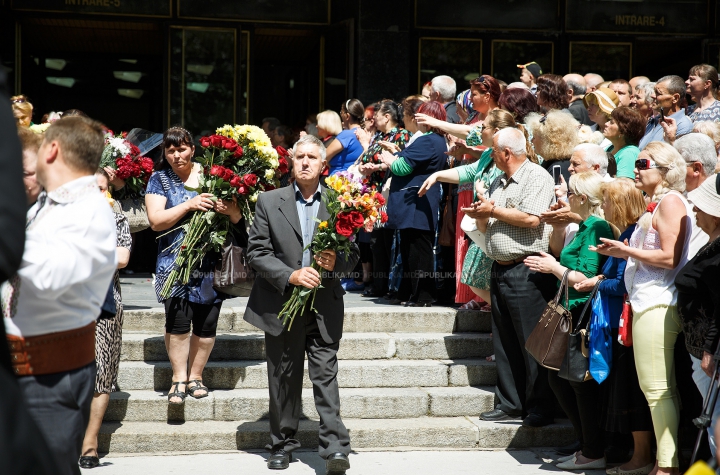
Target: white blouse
(649, 286)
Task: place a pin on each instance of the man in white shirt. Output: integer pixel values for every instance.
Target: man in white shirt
(51, 306)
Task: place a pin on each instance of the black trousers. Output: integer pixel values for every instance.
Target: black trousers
(416, 249)
(285, 361)
(381, 242)
(582, 404)
(518, 298)
(60, 406)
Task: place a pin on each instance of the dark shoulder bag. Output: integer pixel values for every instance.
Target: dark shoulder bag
(576, 366)
(547, 343)
(233, 275)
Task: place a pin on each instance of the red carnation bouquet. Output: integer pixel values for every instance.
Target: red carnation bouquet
(231, 170)
(352, 205)
(125, 158)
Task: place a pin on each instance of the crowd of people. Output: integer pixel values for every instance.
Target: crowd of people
(496, 196)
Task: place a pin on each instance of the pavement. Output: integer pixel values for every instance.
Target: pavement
(409, 462)
(138, 293)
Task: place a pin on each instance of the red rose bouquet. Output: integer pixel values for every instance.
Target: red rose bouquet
(352, 205)
(125, 158)
(238, 164)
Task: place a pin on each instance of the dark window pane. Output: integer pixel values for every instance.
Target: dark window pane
(506, 55)
(610, 60)
(459, 59)
(202, 79)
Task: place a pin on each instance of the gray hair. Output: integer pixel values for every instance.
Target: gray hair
(697, 147)
(675, 84)
(577, 88)
(312, 140)
(593, 155)
(513, 139)
(445, 86)
(648, 88)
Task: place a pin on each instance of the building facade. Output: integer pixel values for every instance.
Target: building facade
(151, 63)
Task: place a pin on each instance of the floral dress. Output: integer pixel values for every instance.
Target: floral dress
(396, 135)
(200, 287)
(477, 266)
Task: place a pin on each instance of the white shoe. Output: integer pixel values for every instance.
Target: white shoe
(638, 471)
(573, 465)
(566, 458)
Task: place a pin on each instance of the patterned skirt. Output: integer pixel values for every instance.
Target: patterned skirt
(108, 341)
(476, 268)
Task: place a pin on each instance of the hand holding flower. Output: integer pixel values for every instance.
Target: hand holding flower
(326, 259)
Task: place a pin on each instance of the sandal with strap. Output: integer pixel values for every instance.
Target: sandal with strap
(471, 305)
(198, 387)
(177, 393)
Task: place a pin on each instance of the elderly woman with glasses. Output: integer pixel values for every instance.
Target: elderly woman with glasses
(656, 252)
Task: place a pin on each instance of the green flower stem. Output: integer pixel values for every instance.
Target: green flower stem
(298, 301)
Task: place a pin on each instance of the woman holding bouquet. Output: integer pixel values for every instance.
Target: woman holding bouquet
(169, 204)
(416, 216)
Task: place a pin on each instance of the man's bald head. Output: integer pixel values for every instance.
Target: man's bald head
(576, 84)
(637, 81)
(592, 80)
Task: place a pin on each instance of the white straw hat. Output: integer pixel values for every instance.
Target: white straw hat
(707, 196)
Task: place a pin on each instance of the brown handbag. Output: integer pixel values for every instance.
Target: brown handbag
(547, 343)
(447, 232)
(233, 275)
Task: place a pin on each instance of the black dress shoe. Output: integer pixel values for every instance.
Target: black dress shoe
(87, 461)
(279, 460)
(336, 464)
(537, 420)
(569, 449)
(498, 415)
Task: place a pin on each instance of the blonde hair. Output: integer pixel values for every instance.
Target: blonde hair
(330, 122)
(586, 135)
(673, 169)
(29, 140)
(21, 107)
(711, 129)
(590, 185)
(626, 201)
(558, 134)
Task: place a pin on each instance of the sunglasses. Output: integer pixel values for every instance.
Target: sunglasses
(645, 164)
(18, 101)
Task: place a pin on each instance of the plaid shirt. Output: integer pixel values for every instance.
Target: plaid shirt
(530, 190)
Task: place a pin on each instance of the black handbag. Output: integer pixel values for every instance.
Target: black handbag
(576, 365)
(233, 275)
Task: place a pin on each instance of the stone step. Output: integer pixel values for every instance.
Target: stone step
(252, 404)
(435, 432)
(386, 319)
(138, 346)
(252, 374)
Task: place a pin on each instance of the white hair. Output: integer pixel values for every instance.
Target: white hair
(697, 147)
(517, 85)
(512, 139)
(593, 155)
(445, 86)
(310, 139)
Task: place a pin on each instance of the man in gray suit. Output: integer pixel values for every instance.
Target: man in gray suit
(284, 225)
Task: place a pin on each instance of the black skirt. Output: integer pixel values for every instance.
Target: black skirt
(625, 408)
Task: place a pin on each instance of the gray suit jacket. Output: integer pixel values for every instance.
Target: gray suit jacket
(275, 251)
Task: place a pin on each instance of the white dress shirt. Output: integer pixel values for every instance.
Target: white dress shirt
(68, 262)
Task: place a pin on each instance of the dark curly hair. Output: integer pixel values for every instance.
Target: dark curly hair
(552, 91)
(631, 124)
(520, 102)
